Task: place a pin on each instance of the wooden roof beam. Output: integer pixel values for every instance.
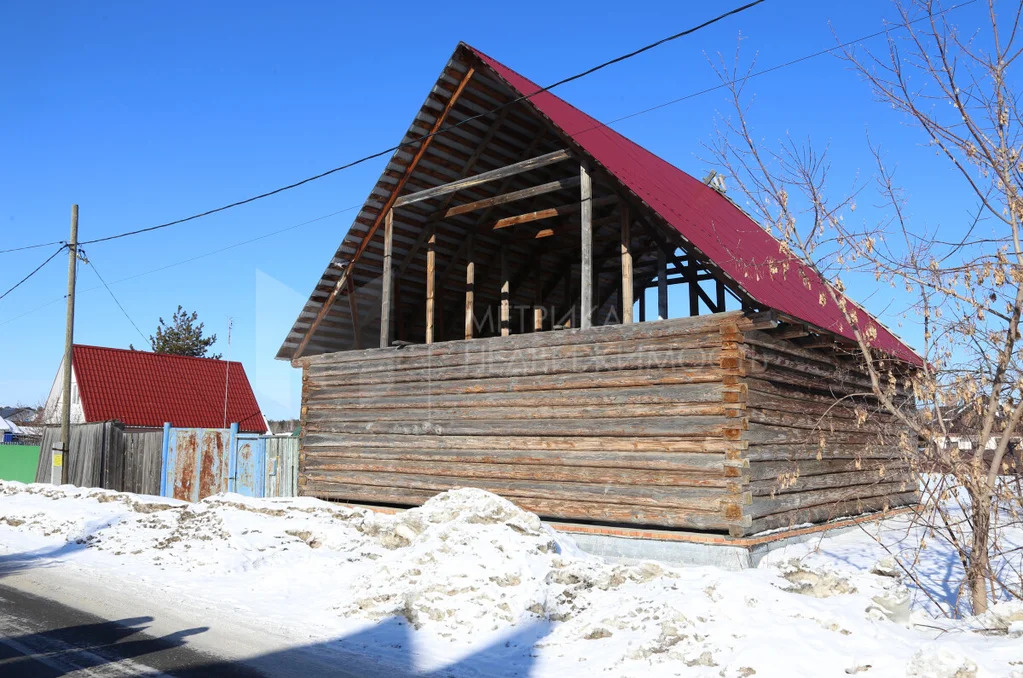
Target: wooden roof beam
(550, 212)
(492, 175)
(386, 207)
(532, 192)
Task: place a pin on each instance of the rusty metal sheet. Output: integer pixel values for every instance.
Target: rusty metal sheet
(213, 465)
(183, 461)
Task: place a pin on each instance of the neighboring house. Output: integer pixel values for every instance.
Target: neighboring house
(9, 431)
(144, 390)
(19, 414)
(429, 360)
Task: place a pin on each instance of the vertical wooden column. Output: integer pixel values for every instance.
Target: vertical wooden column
(386, 292)
(470, 285)
(720, 296)
(566, 285)
(354, 310)
(431, 281)
(505, 292)
(694, 288)
(626, 266)
(538, 295)
(662, 285)
(586, 247)
(642, 305)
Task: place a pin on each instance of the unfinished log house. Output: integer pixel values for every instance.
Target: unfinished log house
(498, 316)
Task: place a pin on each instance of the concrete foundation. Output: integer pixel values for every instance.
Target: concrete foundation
(689, 548)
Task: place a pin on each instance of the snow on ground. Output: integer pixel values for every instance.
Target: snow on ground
(469, 584)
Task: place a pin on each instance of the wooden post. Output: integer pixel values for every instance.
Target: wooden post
(69, 340)
(538, 296)
(470, 285)
(505, 292)
(431, 275)
(386, 292)
(586, 246)
(569, 301)
(354, 310)
(662, 285)
(626, 266)
(720, 296)
(642, 305)
(694, 288)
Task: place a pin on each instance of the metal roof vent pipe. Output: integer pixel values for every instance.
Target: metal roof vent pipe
(715, 181)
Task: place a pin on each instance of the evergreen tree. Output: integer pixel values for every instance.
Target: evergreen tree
(183, 336)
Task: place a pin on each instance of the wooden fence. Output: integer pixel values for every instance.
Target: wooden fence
(108, 456)
(105, 455)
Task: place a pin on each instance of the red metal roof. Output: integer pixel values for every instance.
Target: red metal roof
(708, 220)
(139, 388)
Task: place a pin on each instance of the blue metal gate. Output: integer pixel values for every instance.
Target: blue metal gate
(200, 462)
(248, 463)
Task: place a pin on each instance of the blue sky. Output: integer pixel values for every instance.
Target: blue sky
(146, 112)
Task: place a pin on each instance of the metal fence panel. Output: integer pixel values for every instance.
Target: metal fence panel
(249, 460)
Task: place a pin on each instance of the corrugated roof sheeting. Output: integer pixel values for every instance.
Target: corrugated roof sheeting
(139, 388)
(739, 246)
(709, 223)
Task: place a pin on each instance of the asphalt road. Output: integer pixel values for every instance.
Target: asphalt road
(43, 639)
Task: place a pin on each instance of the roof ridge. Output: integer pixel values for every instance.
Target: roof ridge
(154, 353)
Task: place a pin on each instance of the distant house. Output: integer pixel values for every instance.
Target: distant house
(9, 431)
(143, 390)
(19, 414)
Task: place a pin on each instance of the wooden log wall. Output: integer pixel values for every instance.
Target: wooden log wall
(625, 424)
(818, 445)
(700, 423)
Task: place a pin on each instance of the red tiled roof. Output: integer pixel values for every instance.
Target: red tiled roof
(139, 388)
(708, 220)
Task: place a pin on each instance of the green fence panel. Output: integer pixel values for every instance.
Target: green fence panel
(19, 462)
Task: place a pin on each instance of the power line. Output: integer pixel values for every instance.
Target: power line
(442, 130)
(786, 64)
(34, 271)
(189, 260)
(32, 247)
(111, 292)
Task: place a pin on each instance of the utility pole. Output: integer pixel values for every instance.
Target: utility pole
(69, 338)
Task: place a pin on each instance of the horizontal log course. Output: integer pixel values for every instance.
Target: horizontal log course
(833, 511)
(546, 382)
(544, 507)
(768, 434)
(406, 360)
(469, 472)
(793, 402)
(773, 365)
(692, 427)
(763, 506)
(314, 438)
(704, 463)
(482, 409)
(693, 394)
(853, 481)
(595, 335)
(688, 498)
(767, 470)
(825, 424)
(648, 360)
(784, 452)
(822, 359)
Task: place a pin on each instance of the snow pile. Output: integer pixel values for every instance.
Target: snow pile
(472, 575)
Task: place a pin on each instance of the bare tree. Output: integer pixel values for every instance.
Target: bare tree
(966, 292)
